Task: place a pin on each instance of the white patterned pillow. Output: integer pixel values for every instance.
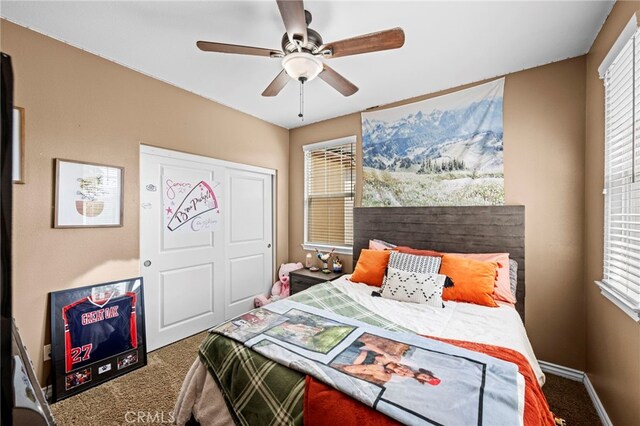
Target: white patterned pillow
(413, 263)
(414, 287)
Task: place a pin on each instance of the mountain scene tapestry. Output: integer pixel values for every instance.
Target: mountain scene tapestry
(444, 151)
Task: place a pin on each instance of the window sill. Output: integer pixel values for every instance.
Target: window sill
(627, 308)
(322, 247)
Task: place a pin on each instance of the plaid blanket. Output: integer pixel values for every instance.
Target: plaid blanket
(259, 391)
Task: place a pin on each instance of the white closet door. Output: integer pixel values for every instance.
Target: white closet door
(183, 268)
(202, 267)
(249, 238)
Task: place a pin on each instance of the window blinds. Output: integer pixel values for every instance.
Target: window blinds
(329, 193)
(622, 175)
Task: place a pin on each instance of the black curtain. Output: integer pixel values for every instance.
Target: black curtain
(6, 359)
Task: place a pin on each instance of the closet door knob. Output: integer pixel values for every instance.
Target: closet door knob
(268, 245)
(147, 263)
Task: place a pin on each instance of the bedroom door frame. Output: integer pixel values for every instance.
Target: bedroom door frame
(149, 150)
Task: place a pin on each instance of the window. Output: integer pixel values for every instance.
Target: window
(329, 192)
(621, 281)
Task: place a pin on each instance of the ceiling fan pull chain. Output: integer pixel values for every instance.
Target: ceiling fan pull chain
(301, 115)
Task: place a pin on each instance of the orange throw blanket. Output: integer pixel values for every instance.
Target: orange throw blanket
(323, 405)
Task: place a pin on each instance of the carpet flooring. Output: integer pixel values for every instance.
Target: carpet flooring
(151, 392)
(569, 400)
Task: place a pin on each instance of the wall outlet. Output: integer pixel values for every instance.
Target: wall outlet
(47, 352)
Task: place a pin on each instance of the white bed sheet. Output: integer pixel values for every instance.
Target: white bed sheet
(500, 326)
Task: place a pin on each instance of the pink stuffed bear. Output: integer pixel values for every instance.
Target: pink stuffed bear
(280, 288)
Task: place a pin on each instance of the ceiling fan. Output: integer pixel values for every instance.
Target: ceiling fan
(303, 48)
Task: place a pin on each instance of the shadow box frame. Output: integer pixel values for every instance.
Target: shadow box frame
(73, 370)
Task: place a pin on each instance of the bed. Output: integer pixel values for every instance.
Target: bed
(271, 387)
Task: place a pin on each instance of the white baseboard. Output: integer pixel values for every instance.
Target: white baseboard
(578, 376)
(559, 370)
(604, 417)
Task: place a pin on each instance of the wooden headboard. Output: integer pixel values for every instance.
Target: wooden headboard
(472, 229)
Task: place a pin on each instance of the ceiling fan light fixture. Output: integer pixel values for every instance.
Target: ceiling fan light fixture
(302, 65)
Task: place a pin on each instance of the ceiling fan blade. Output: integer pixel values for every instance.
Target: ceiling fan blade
(337, 81)
(277, 84)
(292, 12)
(374, 42)
(210, 46)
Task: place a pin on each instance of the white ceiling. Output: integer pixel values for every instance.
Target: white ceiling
(447, 44)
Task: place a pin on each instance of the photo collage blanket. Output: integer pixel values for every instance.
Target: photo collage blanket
(410, 378)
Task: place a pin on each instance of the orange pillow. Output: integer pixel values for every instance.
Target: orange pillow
(371, 267)
(473, 280)
(502, 290)
(417, 252)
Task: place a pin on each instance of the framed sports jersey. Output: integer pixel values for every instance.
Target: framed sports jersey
(97, 333)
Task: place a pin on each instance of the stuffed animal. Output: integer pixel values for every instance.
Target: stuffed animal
(281, 288)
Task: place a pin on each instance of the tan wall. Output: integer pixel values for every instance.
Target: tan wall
(613, 338)
(79, 106)
(544, 170)
(347, 125)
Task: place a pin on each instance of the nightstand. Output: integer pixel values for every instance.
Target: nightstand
(302, 279)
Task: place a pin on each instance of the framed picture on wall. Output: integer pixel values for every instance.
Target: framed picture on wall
(97, 334)
(18, 145)
(88, 195)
